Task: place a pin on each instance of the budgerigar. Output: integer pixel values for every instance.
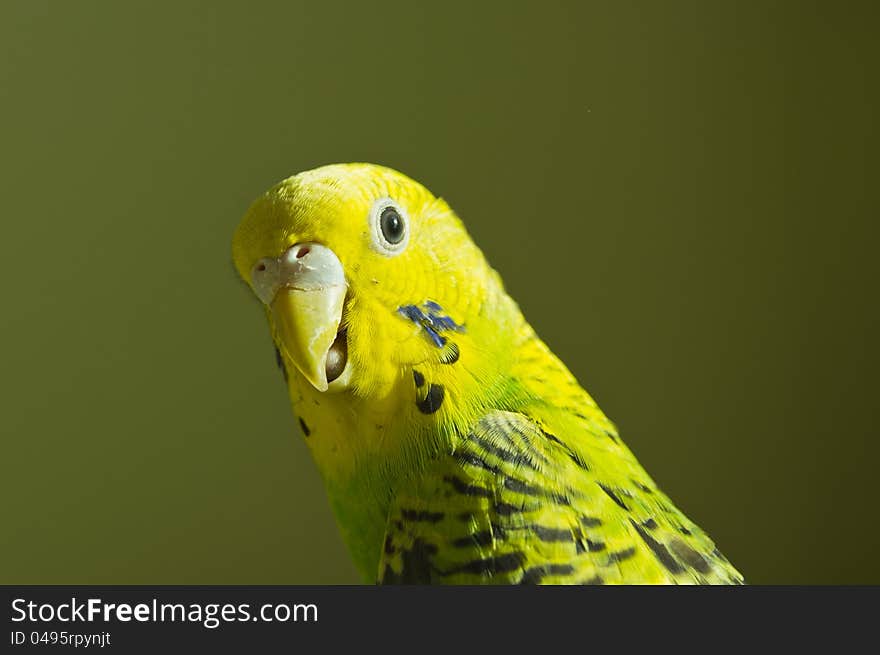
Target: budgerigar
(454, 446)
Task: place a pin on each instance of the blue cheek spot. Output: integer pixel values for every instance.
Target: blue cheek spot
(430, 319)
(412, 313)
(435, 336)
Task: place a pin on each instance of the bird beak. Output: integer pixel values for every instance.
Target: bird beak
(306, 312)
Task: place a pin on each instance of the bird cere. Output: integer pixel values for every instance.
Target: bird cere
(455, 447)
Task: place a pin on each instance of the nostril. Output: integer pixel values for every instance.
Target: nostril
(261, 267)
(302, 252)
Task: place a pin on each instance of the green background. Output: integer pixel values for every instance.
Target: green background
(681, 196)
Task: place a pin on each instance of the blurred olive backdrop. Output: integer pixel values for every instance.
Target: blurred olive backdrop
(678, 194)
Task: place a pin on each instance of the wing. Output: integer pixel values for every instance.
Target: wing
(514, 504)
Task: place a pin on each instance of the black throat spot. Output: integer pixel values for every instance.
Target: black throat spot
(432, 400)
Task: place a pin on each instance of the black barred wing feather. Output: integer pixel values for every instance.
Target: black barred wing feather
(515, 504)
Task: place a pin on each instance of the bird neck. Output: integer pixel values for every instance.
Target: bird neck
(367, 447)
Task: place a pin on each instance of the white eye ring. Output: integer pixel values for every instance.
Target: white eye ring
(389, 227)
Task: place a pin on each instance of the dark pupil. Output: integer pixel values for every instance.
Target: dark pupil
(392, 225)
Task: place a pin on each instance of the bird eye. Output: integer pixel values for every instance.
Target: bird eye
(390, 229)
(392, 225)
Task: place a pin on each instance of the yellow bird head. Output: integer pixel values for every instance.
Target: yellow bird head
(365, 275)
